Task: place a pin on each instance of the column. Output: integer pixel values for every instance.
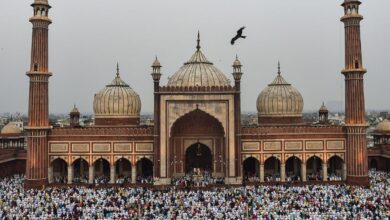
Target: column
(70, 174)
(344, 171)
(261, 172)
(282, 172)
(91, 174)
(112, 174)
(133, 173)
(303, 172)
(50, 173)
(325, 172)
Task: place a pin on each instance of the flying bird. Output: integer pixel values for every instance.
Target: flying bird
(238, 35)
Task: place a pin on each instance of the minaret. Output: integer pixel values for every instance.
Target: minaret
(38, 106)
(355, 122)
(237, 74)
(156, 75)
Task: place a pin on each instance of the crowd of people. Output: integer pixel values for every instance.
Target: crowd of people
(80, 179)
(145, 179)
(290, 178)
(279, 201)
(197, 179)
(123, 180)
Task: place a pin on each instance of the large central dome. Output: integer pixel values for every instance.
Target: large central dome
(198, 71)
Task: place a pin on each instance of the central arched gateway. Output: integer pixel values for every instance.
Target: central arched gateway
(198, 156)
(197, 141)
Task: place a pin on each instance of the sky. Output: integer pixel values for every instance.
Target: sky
(88, 38)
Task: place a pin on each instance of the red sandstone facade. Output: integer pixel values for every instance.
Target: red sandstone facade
(197, 125)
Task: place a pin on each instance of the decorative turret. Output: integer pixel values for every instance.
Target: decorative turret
(74, 117)
(237, 69)
(156, 73)
(323, 114)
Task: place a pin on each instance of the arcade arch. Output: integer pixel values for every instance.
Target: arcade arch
(293, 169)
(80, 171)
(314, 168)
(60, 170)
(272, 169)
(144, 170)
(123, 170)
(251, 169)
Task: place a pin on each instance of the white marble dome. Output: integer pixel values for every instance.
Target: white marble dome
(117, 99)
(11, 129)
(198, 71)
(280, 99)
(383, 126)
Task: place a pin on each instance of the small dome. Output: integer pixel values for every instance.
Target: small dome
(75, 110)
(323, 108)
(11, 129)
(383, 126)
(198, 71)
(156, 63)
(280, 99)
(117, 100)
(237, 62)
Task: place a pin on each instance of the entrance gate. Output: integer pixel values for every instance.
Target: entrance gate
(198, 156)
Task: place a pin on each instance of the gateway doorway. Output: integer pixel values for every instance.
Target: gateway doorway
(198, 157)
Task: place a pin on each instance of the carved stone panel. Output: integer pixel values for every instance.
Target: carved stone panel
(140, 157)
(314, 145)
(289, 155)
(58, 148)
(250, 146)
(293, 145)
(76, 157)
(335, 145)
(63, 157)
(144, 147)
(246, 156)
(105, 157)
(330, 155)
(319, 155)
(123, 147)
(101, 147)
(80, 148)
(277, 156)
(272, 146)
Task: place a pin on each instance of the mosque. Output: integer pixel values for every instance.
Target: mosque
(197, 124)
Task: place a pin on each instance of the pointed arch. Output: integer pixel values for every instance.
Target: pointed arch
(272, 169)
(314, 167)
(251, 169)
(60, 170)
(197, 116)
(293, 168)
(216, 110)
